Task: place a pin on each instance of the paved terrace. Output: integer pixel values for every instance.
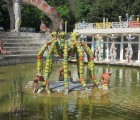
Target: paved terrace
(116, 63)
(119, 63)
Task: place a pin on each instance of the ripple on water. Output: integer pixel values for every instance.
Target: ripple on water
(122, 102)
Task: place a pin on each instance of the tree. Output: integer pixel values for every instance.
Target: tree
(4, 16)
(35, 17)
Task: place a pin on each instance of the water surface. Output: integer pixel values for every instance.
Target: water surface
(121, 102)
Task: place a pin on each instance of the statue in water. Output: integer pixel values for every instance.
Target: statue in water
(129, 50)
(98, 47)
(113, 49)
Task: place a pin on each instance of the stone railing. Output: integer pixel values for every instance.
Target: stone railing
(86, 26)
(107, 25)
(119, 24)
(27, 29)
(134, 24)
(22, 29)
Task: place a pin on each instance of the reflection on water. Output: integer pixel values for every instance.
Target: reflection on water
(121, 102)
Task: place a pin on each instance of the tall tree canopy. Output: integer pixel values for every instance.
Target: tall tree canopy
(95, 10)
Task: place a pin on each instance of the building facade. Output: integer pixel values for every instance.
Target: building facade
(121, 30)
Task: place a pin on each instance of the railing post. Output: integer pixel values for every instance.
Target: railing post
(92, 44)
(139, 48)
(107, 54)
(121, 48)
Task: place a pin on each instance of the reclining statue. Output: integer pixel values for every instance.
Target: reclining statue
(14, 8)
(3, 50)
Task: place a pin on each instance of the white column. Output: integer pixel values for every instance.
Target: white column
(85, 40)
(17, 12)
(121, 49)
(65, 26)
(92, 44)
(139, 48)
(107, 56)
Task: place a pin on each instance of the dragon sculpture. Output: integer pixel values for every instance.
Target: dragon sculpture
(129, 50)
(14, 8)
(65, 49)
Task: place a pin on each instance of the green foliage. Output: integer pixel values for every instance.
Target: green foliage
(66, 16)
(95, 10)
(31, 17)
(4, 17)
(64, 12)
(82, 9)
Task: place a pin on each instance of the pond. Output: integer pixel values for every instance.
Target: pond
(121, 102)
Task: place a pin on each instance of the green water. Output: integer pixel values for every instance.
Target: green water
(121, 102)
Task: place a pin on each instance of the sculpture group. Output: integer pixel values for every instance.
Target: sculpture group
(65, 49)
(113, 49)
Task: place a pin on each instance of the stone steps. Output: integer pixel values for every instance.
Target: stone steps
(24, 46)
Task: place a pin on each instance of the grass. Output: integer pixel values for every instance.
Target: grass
(17, 96)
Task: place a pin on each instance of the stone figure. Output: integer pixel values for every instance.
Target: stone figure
(129, 50)
(98, 47)
(43, 26)
(106, 79)
(113, 49)
(3, 50)
(83, 24)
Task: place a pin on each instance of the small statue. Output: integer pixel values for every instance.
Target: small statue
(113, 49)
(129, 50)
(61, 75)
(98, 47)
(39, 84)
(43, 26)
(106, 80)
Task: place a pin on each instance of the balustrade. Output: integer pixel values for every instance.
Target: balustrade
(106, 25)
(119, 24)
(26, 29)
(134, 24)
